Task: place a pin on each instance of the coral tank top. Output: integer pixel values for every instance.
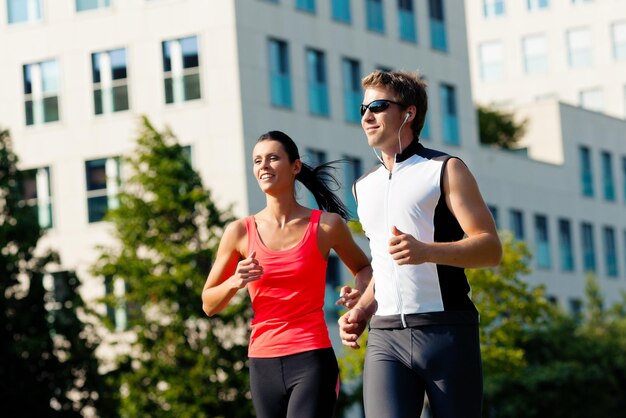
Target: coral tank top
(288, 300)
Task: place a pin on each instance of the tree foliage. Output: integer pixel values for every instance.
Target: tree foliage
(575, 366)
(498, 128)
(180, 363)
(508, 306)
(47, 361)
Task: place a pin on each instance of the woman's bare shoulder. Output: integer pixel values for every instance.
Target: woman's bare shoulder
(330, 221)
(236, 229)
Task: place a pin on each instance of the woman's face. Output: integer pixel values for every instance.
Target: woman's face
(272, 168)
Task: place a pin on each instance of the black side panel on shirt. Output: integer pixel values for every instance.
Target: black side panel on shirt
(454, 286)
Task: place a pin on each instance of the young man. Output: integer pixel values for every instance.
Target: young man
(426, 222)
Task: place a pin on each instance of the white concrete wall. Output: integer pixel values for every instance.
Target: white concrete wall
(560, 81)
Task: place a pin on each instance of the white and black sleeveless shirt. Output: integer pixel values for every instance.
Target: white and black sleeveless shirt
(410, 198)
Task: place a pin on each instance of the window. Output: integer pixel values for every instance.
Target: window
(117, 312)
(449, 115)
(314, 158)
(41, 92)
(624, 247)
(37, 194)
(60, 287)
(341, 11)
(610, 251)
(406, 21)
(579, 48)
(535, 50)
(110, 84)
(19, 11)
(517, 224)
(352, 89)
(494, 214)
(589, 252)
(618, 32)
(490, 58)
(553, 300)
(280, 80)
(607, 176)
(181, 70)
(537, 4)
(438, 38)
(566, 247)
(384, 68)
(542, 242)
(82, 5)
(317, 82)
(591, 99)
(103, 180)
(576, 307)
(586, 172)
(375, 16)
(493, 8)
(306, 5)
(188, 154)
(353, 170)
(425, 133)
(624, 181)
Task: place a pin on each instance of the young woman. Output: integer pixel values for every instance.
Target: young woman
(280, 255)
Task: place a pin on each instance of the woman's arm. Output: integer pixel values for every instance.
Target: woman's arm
(337, 236)
(228, 274)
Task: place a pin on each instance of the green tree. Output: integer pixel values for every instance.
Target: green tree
(181, 363)
(47, 361)
(507, 306)
(498, 128)
(575, 367)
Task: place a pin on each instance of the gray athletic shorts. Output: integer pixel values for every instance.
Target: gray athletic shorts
(441, 360)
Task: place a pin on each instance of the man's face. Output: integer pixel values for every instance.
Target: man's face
(381, 128)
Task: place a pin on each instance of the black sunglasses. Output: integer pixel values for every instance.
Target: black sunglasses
(377, 106)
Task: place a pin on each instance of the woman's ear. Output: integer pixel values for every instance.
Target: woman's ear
(297, 166)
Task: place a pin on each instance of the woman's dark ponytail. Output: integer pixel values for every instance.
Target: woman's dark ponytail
(317, 180)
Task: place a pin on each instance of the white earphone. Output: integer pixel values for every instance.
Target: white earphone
(408, 115)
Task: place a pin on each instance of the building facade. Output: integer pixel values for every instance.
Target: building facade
(573, 51)
(77, 74)
(561, 66)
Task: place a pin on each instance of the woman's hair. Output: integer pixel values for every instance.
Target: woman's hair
(316, 179)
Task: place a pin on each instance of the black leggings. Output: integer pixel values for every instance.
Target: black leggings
(302, 385)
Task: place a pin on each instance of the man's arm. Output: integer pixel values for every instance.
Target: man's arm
(481, 246)
(353, 323)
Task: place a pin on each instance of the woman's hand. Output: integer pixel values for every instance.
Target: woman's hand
(348, 297)
(248, 270)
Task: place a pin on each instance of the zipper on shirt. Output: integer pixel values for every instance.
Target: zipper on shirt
(395, 266)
